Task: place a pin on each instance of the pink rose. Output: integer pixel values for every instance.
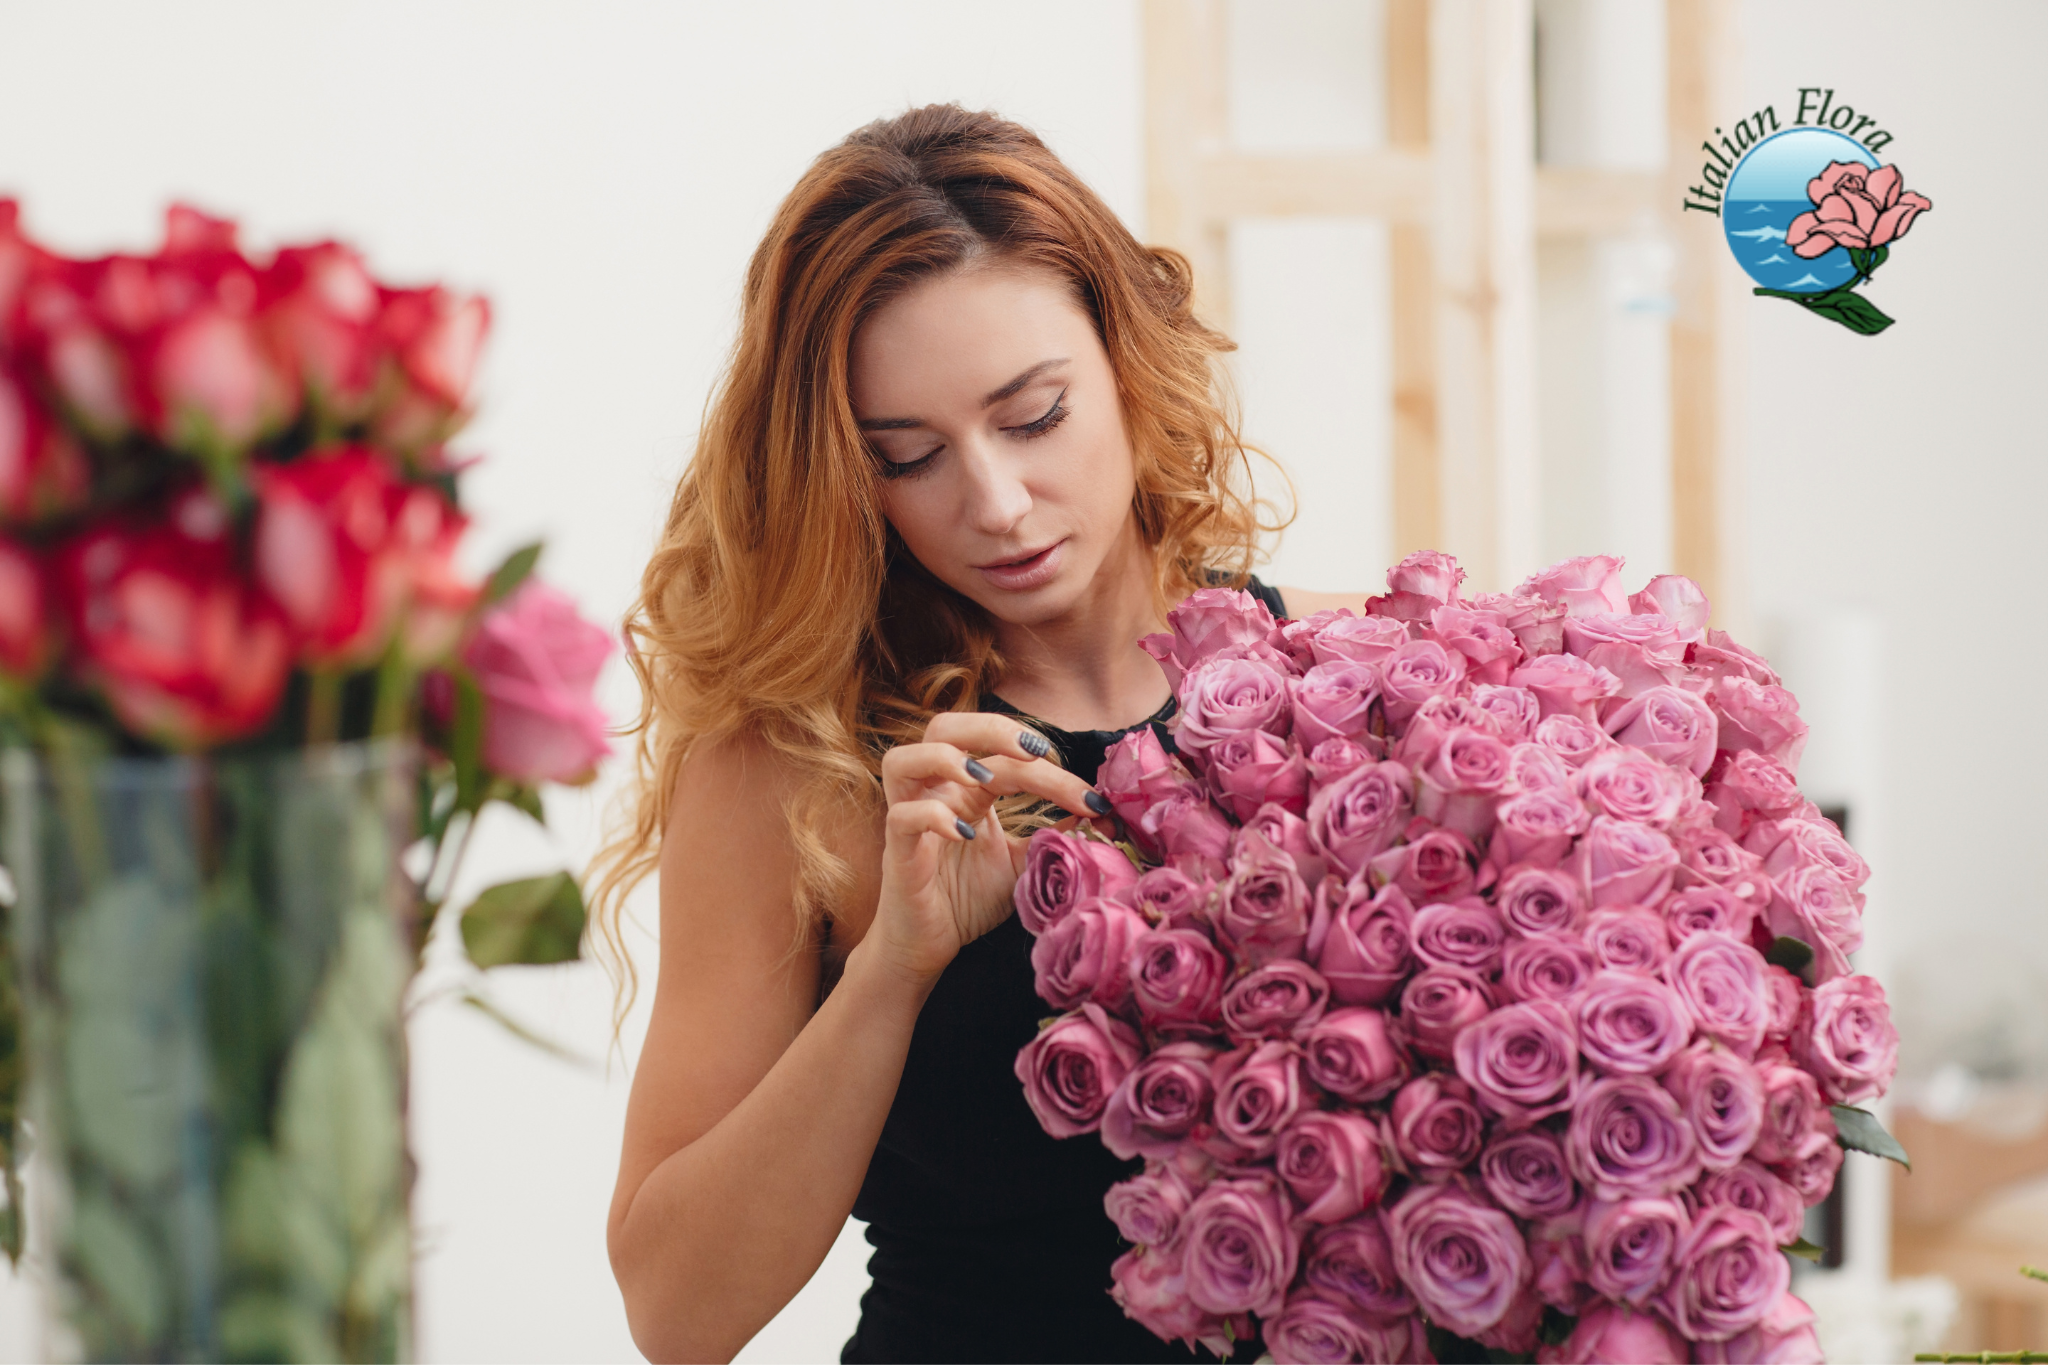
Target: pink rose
(1644, 652)
(1753, 786)
(1491, 650)
(1788, 997)
(1436, 1126)
(1536, 767)
(1624, 863)
(1063, 870)
(1137, 774)
(1628, 938)
(1072, 1066)
(1264, 907)
(1151, 1287)
(1359, 942)
(1209, 623)
(1708, 856)
(1552, 967)
(26, 638)
(1192, 835)
(1176, 978)
(1161, 1102)
(1084, 955)
(536, 662)
(1277, 1000)
(1357, 639)
(1614, 1332)
(1747, 1185)
(1847, 1041)
(1433, 721)
(1707, 910)
(1459, 787)
(1678, 600)
(1854, 207)
(1441, 865)
(1722, 1097)
(1815, 906)
(1438, 1002)
(1816, 841)
(1335, 701)
(1785, 1336)
(1724, 987)
(1793, 1114)
(1241, 1256)
(1463, 1260)
(1720, 657)
(1315, 1327)
(1586, 586)
(1727, 1274)
(1427, 573)
(1628, 1140)
(1630, 1244)
(1538, 900)
(1147, 1208)
(1230, 697)
(1466, 934)
(1349, 1054)
(1359, 815)
(1353, 1261)
(1258, 1093)
(1251, 768)
(1172, 900)
(1284, 830)
(1331, 1163)
(1813, 1174)
(1753, 716)
(1332, 759)
(1522, 1061)
(1630, 1024)
(1557, 1256)
(1629, 785)
(1515, 711)
(1538, 625)
(1537, 827)
(1572, 738)
(1414, 673)
(1566, 685)
(1527, 1174)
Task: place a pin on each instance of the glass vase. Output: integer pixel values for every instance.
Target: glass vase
(213, 953)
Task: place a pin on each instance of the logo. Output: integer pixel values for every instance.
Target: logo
(1809, 211)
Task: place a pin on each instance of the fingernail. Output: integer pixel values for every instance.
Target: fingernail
(966, 830)
(1098, 803)
(1033, 744)
(977, 771)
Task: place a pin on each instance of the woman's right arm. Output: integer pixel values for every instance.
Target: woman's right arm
(752, 1120)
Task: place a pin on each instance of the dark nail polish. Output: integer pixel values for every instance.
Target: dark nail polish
(1033, 744)
(1098, 803)
(966, 830)
(978, 771)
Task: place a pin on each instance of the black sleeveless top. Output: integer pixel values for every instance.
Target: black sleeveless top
(990, 1239)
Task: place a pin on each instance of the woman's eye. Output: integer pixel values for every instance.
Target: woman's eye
(897, 469)
(1054, 415)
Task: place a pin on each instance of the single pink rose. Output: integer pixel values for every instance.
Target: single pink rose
(1727, 1274)
(1084, 955)
(1538, 625)
(1816, 841)
(1753, 716)
(1854, 207)
(1644, 652)
(1460, 786)
(1725, 988)
(1678, 600)
(1251, 768)
(1567, 685)
(1241, 1254)
(1353, 1262)
(1526, 1172)
(1515, 711)
(1467, 933)
(1070, 1069)
(1331, 1163)
(1437, 1003)
(1171, 899)
(1631, 1245)
(1707, 910)
(1614, 1332)
(1439, 865)
(1335, 701)
(1357, 639)
(1536, 900)
(1189, 833)
(1360, 814)
(1427, 573)
(1296, 636)
(1228, 697)
(1628, 938)
(1628, 784)
(1151, 1287)
(1847, 1041)
(1586, 586)
(1147, 1208)
(1718, 656)
(1752, 786)
(1332, 759)
(1815, 906)
(1463, 1259)
(1162, 1102)
(1670, 724)
(1784, 1336)
(1748, 1185)
(1549, 967)
(1258, 1093)
(1277, 1000)
(1209, 623)
(1414, 673)
(1708, 857)
(1349, 1054)
(1264, 908)
(1316, 1327)
(1491, 650)
(1557, 1258)
(1572, 738)
(1176, 978)
(1138, 774)
(536, 662)
(1435, 1125)
(1359, 941)
(1425, 731)
(1788, 998)
(1063, 870)
(1536, 828)
(1813, 1174)
(1536, 767)
(1630, 1024)
(1284, 830)
(1628, 1139)
(1624, 863)
(1521, 1061)
(1722, 1097)
(1793, 1114)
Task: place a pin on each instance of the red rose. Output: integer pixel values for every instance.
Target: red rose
(43, 473)
(24, 615)
(320, 314)
(327, 554)
(437, 337)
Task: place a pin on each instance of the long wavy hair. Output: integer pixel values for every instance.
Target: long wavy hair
(779, 604)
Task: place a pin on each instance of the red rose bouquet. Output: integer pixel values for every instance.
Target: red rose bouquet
(1473, 969)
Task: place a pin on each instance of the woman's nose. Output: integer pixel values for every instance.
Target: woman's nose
(996, 496)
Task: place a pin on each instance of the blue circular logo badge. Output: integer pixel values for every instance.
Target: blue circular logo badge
(1769, 190)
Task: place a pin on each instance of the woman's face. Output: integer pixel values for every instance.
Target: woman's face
(1007, 471)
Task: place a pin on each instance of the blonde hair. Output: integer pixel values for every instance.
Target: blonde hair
(731, 635)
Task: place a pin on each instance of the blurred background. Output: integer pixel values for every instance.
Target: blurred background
(1447, 238)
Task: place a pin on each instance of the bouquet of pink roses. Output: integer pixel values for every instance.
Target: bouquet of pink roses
(1475, 969)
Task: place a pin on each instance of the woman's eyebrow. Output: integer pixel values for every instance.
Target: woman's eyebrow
(1016, 385)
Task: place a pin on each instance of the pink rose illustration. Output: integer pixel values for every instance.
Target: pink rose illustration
(1854, 206)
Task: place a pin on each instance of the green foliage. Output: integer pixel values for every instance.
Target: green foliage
(1805, 1251)
(535, 921)
(516, 569)
(1556, 1327)
(1859, 1131)
(1792, 954)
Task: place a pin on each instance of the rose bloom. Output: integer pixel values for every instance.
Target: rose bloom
(1462, 1259)
(1439, 866)
(1553, 967)
(1707, 910)
(1332, 759)
(1709, 857)
(1514, 710)
(1537, 827)
(1062, 870)
(1752, 782)
(1147, 1208)
(1264, 908)
(1538, 625)
(1614, 1332)
(1151, 1287)
(1334, 701)
(1754, 716)
(1628, 1139)
(327, 552)
(1785, 1336)
(1250, 768)
(1645, 652)
(1176, 978)
(1173, 900)
(1854, 207)
(1814, 905)
(1085, 955)
(1349, 1054)
(1353, 1261)
(1566, 685)
(1438, 1002)
(1435, 1126)
(1570, 737)
(1536, 767)
(1527, 1174)
(1722, 1097)
(1427, 573)
(1628, 938)
(1539, 900)
(1489, 647)
(1288, 832)
(1727, 1274)
(1847, 1041)
(1360, 814)
(1624, 863)
(1632, 786)
(1161, 1101)
(1192, 835)
(1276, 1000)
(1315, 1327)
(1209, 623)
(1747, 1185)
(1229, 697)
(1414, 673)
(1072, 1066)
(1586, 586)
(1240, 1254)
(1521, 1061)
(1331, 1163)
(1433, 721)
(1678, 600)
(1725, 989)
(1467, 934)
(1258, 1093)
(1460, 785)
(1557, 1260)
(26, 639)
(1360, 942)
(1357, 639)
(1630, 1244)
(1137, 774)
(1788, 997)
(1631, 1024)
(1793, 1114)
(1813, 1174)
(1817, 841)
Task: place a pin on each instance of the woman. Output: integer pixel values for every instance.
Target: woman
(967, 453)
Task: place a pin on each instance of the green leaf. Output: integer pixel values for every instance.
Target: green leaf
(535, 921)
(520, 798)
(1859, 1131)
(1851, 309)
(1556, 1328)
(517, 568)
(1805, 1251)
(1791, 954)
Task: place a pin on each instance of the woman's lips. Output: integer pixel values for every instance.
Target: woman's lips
(1023, 574)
